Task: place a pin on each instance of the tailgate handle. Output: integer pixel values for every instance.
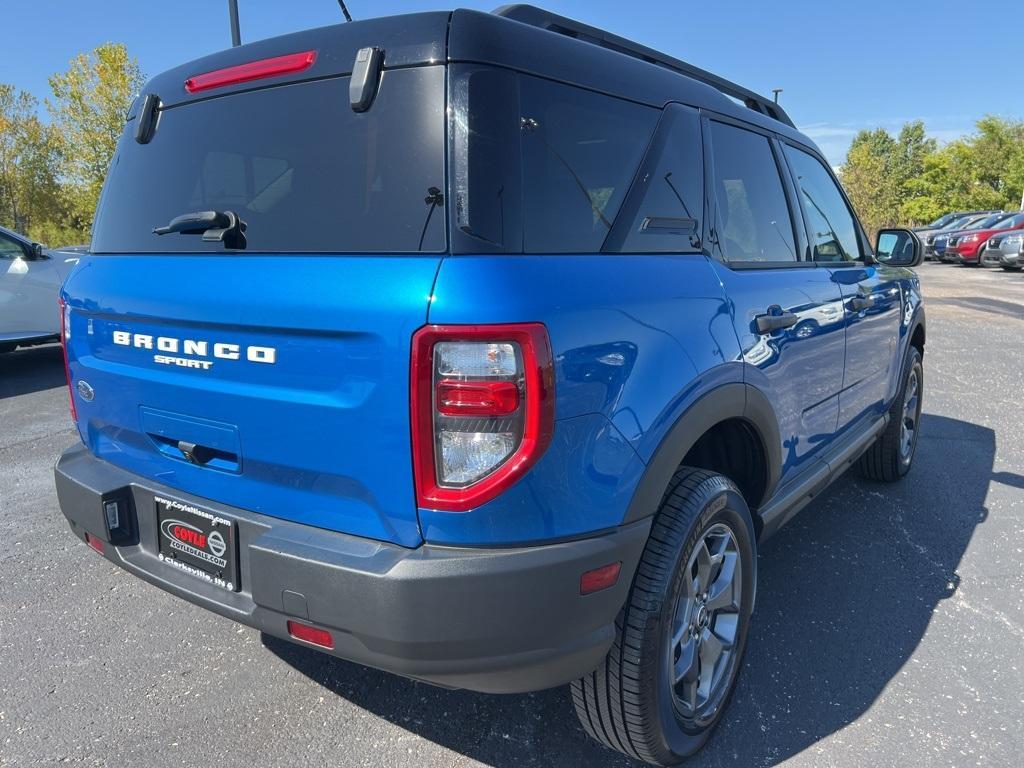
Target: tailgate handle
(193, 453)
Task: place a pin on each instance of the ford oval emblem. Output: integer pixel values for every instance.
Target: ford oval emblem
(85, 390)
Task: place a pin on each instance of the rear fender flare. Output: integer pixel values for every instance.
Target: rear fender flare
(729, 401)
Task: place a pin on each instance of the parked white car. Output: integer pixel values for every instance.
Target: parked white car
(30, 280)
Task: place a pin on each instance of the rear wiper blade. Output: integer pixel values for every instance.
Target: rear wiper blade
(215, 227)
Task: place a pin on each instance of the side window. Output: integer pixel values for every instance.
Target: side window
(664, 211)
(831, 227)
(580, 154)
(753, 221)
(9, 248)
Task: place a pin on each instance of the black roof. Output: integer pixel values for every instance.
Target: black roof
(523, 38)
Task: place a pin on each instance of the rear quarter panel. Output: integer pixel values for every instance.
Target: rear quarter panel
(636, 340)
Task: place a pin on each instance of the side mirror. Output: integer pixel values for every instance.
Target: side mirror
(36, 252)
(898, 248)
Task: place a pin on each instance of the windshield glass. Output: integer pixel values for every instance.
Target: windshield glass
(1011, 221)
(295, 163)
(988, 221)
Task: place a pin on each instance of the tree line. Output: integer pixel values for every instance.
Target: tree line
(51, 171)
(909, 179)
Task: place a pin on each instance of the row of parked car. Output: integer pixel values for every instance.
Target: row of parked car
(988, 238)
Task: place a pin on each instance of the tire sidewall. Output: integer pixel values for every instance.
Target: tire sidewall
(914, 363)
(722, 503)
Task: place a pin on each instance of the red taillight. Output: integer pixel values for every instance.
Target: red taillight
(65, 334)
(310, 634)
(483, 406)
(94, 542)
(253, 70)
(476, 398)
(600, 578)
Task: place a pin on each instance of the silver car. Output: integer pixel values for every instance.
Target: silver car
(1011, 252)
(30, 280)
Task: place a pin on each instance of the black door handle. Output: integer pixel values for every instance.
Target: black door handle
(859, 303)
(775, 320)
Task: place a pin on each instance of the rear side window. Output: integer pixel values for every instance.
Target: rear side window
(753, 221)
(537, 166)
(580, 153)
(830, 225)
(305, 172)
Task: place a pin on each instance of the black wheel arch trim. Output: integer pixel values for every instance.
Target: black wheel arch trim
(730, 401)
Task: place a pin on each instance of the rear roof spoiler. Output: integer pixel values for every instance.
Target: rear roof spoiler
(537, 17)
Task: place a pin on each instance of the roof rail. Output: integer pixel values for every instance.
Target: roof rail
(537, 17)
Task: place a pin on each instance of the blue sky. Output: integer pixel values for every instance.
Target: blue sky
(843, 65)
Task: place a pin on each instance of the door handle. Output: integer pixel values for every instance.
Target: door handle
(775, 320)
(860, 303)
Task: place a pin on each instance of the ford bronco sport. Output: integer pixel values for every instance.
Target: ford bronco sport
(482, 349)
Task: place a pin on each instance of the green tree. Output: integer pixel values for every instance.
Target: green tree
(909, 180)
(913, 148)
(996, 152)
(29, 157)
(88, 108)
(872, 178)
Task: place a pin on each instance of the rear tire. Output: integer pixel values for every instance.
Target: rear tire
(890, 456)
(681, 636)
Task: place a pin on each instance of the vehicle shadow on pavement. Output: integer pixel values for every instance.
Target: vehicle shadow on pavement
(31, 370)
(846, 592)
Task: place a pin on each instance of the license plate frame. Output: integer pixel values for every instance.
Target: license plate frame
(198, 542)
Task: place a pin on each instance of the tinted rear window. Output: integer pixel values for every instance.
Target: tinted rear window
(538, 166)
(580, 153)
(305, 172)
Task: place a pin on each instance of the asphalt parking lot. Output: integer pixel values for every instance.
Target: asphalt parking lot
(889, 628)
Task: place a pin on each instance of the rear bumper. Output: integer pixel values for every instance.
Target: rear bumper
(498, 621)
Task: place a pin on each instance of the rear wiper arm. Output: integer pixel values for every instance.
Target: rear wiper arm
(215, 227)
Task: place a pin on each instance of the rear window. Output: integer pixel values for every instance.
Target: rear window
(298, 166)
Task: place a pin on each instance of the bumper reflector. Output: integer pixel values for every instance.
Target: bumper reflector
(600, 578)
(94, 542)
(310, 634)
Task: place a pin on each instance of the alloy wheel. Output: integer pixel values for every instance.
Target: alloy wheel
(705, 626)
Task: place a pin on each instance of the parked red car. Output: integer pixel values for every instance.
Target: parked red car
(967, 245)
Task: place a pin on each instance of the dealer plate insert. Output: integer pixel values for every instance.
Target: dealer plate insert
(197, 542)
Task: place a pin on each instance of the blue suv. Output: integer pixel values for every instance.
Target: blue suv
(482, 349)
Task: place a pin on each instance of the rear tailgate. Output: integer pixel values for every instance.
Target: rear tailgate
(319, 436)
(273, 377)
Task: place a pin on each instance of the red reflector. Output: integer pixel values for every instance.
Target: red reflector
(93, 542)
(600, 578)
(477, 398)
(253, 70)
(64, 323)
(310, 634)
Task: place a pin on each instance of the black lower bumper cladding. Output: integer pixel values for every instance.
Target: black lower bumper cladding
(493, 620)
